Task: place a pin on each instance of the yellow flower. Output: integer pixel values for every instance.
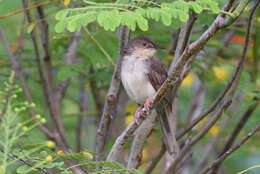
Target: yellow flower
(25, 128)
(214, 131)
(247, 9)
(188, 80)
(48, 158)
(220, 73)
(50, 144)
(88, 155)
(128, 119)
(66, 2)
(60, 152)
(258, 19)
(130, 109)
(202, 122)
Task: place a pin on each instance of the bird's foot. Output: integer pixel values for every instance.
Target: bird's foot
(143, 110)
(148, 105)
(137, 114)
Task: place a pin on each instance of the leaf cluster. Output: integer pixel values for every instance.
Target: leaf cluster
(132, 15)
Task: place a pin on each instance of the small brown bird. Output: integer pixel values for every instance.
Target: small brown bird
(142, 75)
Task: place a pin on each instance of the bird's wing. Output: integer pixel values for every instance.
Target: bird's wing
(157, 75)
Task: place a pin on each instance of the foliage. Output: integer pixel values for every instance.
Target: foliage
(30, 156)
(112, 15)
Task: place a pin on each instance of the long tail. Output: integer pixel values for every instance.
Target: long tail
(163, 109)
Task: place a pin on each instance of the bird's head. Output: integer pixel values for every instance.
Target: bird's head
(141, 46)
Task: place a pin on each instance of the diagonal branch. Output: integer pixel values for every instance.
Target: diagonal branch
(112, 96)
(229, 152)
(235, 133)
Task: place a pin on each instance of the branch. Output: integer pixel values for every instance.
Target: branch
(229, 152)
(183, 39)
(99, 46)
(235, 133)
(28, 8)
(112, 96)
(140, 137)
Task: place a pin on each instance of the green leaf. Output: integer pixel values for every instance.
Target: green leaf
(61, 14)
(196, 7)
(22, 169)
(66, 172)
(142, 23)
(53, 165)
(166, 18)
(110, 20)
(60, 26)
(127, 19)
(183, 16)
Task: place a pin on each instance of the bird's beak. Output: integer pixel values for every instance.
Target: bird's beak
(159, 47)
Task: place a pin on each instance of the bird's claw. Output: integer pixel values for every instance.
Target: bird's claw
(143, 110)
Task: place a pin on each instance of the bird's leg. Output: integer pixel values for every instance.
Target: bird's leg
(137, 114)
(142, 110)
(147, 107)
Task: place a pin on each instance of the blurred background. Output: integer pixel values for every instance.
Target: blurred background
(91, 71)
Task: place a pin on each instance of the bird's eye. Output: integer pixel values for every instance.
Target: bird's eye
(145, 44)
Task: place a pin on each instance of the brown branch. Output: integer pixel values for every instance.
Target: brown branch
(229, 152)
(235, 133)
(155, 159)
(28, 8)
(112, 96)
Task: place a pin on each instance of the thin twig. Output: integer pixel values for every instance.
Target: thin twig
(28, 8)
(18, 71)
(99, 46)
(229, 152)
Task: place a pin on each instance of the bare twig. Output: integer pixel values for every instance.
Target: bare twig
(99, 46)
(229, 152)
(109, 106)
(28, 8)
(18, 71)
(235, 133)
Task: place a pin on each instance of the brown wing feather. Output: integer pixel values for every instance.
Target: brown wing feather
(157, 75)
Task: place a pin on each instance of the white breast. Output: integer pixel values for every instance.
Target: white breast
(134, 79)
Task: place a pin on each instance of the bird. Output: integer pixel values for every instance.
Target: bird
(142, 75)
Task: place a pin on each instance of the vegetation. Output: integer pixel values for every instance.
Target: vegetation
(63, 108)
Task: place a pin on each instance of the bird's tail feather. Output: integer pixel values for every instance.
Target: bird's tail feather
(169, 139)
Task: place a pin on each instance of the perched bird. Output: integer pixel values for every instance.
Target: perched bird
(142, 75)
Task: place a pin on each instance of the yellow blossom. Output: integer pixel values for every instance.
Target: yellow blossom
(214, 131)
(188, 80)
(247, 9)
(88, 155)
(202, 122)
(50, 144)
(66, 2)
(131, 110)
(258, 19)
(60, 152)
(220, 73)
(48, 158)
